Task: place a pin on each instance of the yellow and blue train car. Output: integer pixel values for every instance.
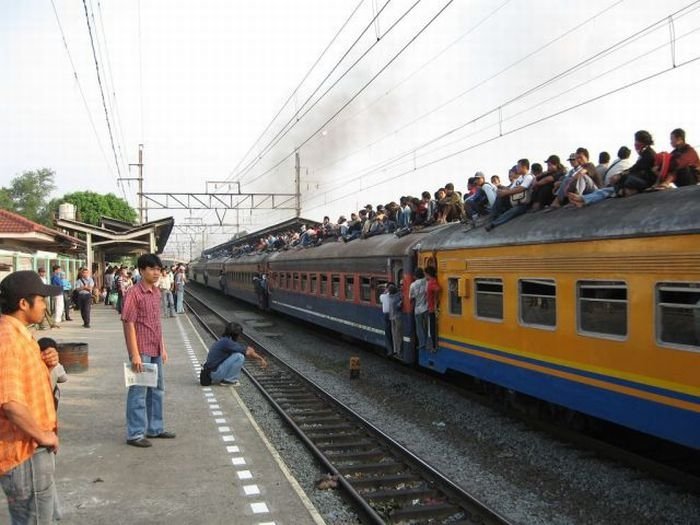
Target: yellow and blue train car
(594, 309)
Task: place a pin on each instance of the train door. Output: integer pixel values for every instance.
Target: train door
(398, 269)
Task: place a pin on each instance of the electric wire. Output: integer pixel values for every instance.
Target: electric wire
(296, 89)
(524, 126)
(80, 89)
(443, 105)
(102, 93)
(293, 119)
(364, 86)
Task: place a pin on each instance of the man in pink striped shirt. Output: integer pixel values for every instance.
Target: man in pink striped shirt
(145, 344)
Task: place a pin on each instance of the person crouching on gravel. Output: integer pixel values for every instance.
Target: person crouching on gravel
(226, 356)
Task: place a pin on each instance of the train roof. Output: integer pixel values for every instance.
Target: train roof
(384, 245)
(669, 212)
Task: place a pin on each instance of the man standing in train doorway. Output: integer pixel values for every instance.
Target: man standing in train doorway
(145, 344)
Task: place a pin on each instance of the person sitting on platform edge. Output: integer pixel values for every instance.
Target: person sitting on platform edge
(145, 344)
(226, 356)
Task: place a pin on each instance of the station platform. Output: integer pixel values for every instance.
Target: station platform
(219, 469)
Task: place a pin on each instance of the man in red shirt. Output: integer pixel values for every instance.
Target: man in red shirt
(433, 291)
(28, 439)
(145, 344)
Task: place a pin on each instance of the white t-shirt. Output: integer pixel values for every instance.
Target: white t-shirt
(419, 293)
(385, 299)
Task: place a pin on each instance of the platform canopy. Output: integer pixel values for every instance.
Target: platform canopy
(118, 238)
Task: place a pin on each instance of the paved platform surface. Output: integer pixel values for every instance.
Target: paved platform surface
(219, 469)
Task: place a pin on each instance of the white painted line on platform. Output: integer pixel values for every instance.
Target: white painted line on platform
(220, 420)
(238, 461)
(228, 439)
(224, 429)
(217, 413)
(232, 449)
(267, 523)
(209, 394)
(212, 400)
(251, 490)
(214, 407)
(244, 474)
(259, 508)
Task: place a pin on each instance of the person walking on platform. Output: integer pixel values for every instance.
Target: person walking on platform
(47, 321)
(28, 439)
(180, 281)
(145, 344)
(67, 300)
(83, 290)
(226, 356)
(59, 299)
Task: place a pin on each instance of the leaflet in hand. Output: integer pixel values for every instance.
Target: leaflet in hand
(149, 376)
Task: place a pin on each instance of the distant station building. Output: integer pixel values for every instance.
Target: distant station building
(27, 245)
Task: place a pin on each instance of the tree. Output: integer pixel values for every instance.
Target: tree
(28, 194)
(91, 206)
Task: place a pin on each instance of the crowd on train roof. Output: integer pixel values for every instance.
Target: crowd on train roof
(490, 203)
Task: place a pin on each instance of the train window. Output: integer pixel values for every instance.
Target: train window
(678, 314)
(379, 286)
(304, 280)
(324, 284)
(538, 302)
(365, 289)
(290, 283)
(454, 300)
(602, 307)
(489, 299)
(335, 285)
(349, 288)
(313, 279)
(296, 280)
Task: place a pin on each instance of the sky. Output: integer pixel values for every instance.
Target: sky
(379, 98)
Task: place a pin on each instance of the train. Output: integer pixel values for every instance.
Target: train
(595, 310)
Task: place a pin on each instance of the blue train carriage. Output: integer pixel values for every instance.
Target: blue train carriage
(239, 273)
(594, 309)
(214, 273)
(196, 270)
(337, 285)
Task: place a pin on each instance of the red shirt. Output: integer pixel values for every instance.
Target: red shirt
(433, 293)
(142, 307)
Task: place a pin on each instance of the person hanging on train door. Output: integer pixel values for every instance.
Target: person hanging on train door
(418, 292)
(433, 299)
(385, 299)
(396, 320)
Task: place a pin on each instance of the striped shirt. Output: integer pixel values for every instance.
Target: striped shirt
(142, 307)
(24, 379)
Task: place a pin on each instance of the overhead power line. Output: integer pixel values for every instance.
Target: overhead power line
(80, 89)
(102, 93)
(359, 92)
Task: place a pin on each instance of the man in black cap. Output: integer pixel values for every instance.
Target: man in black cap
(27, 411)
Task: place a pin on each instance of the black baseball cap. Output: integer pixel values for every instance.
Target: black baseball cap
(24, 284)
(553, 159)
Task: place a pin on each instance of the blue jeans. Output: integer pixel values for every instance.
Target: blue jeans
(144, 405)
(31, 490)
(421, 330)
(230, 369)
(599, 195)
(166, 303)
(180, 305)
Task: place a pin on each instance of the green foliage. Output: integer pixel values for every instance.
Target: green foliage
(28, 193)
(92, 206)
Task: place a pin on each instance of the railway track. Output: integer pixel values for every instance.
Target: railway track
(382, 480)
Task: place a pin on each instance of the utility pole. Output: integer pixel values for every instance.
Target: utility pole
(143, 211)
(297, 182)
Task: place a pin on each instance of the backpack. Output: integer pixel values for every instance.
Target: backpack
(205, 376)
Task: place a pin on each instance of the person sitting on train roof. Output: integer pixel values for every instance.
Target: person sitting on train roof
(684, 169)
(623, 162)
(581, 179)
(483, 199)
(450, 207)
(621, 185)
(542, 193)
(513, 201)
(496, 181)
(602, 167)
